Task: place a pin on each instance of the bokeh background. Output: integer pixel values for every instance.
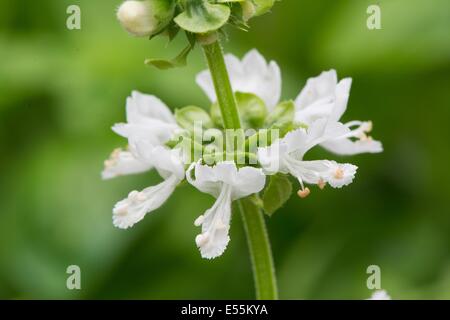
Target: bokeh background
(61, 90)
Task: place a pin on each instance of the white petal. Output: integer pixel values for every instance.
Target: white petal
(296, 140)
(215, 226)
(340, 175)
(320, 88)
(248, 181)
(380, 295)
(342, 95)
(155, 131)
(320, 171)
(143, 108)
(146, 137)
(323, 96)
(270, 157)
(316, 112)
(205, 82)
(123, 163)
(204, 179)
(251, 75)
(243, 181)
(166, 161)
(133, 209)
(348, 147)
(300, 141)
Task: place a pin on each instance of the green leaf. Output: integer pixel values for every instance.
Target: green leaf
(188, 116)
(252, 111)
(201, 16)
(179, 61)
(277, 192)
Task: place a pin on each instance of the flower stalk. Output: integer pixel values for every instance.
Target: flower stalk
(224, 92)
(254, 224)
(260, 250)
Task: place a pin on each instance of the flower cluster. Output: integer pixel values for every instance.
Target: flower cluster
(312, 119)
(143, 18)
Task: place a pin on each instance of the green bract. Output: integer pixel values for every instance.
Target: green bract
(190, 116)
(282, 114)
(163, 12)
(252, 111)
(201, 16)
(277, 192)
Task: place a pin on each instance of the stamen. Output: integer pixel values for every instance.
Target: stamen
(321, 184)
(339, 173)
(116, 152)
(109, 163)
(113, 158)
(368, 126)
(303, 193)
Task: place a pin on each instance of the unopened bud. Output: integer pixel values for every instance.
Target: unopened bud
(147, 17)
(248, 10)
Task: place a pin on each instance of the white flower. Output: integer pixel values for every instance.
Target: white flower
(380, 295)
(286, 156)
(325, 97)
(169, 164)
(123, 162)
(226, 183)
(251, 75)
(146, 17)
(149, 121)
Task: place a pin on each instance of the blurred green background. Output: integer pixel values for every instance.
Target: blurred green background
(61, 90)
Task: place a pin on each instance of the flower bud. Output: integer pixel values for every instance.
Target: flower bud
(248, 10)
(147, 17)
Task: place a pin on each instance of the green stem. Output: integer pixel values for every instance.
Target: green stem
(260, 251)
(255, 228)
(224, 92)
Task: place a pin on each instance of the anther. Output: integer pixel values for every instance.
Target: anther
(339, 173)
(321, 184)
(303, 193)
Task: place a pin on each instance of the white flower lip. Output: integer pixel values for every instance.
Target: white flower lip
(122, 162)
(149, 122)
(324, 97)
(227, 183)
(133, 209)
(286, 156)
